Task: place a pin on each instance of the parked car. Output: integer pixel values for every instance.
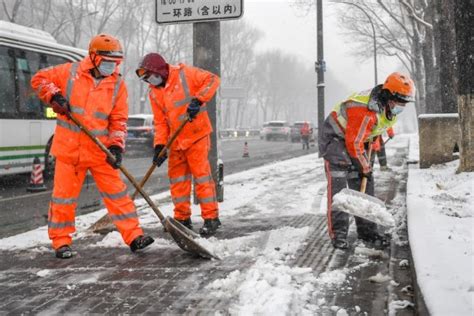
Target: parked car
(275, 130)
(140, 128)
(295, 135)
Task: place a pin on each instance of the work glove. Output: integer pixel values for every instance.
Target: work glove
(363, 172)
(116, 151)
(158, 161)
(59, 104)
(193, 108)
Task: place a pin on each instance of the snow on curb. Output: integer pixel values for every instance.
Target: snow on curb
(440, 227)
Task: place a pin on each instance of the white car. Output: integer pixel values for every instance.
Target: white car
(275, 130)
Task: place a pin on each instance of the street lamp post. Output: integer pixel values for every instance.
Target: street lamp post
(373, 34)
(320, 65)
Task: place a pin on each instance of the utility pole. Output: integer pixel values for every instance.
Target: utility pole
(320, 65)
(207, 55)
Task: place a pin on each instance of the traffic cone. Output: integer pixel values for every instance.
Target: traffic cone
(36, 180)
(246, 151)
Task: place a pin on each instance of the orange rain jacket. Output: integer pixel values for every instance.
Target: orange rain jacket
(189, 152)
(170, 103)
(376, 144)
(103, 109)
(305, 130)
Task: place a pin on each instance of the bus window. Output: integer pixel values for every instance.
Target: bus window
(28, 63)
(7, 83)
(29, 105)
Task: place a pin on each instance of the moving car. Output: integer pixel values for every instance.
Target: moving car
(140, 128)
(275, 130)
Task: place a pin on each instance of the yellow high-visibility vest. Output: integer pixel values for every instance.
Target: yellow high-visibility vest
(361, 99)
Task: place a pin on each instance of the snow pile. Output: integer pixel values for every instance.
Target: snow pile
(270, 286)
(364, 206)
(396, 305)
(111, 240)
(440, 227)
(240, 246)
(43, 273)
(379, 278)
(370, 252)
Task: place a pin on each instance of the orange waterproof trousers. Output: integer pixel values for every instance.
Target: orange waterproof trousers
(68, 179)
(182, 166)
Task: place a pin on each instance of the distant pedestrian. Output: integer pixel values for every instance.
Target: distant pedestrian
(176, 92)
(93, 91)
(347, 133)
(305, 133)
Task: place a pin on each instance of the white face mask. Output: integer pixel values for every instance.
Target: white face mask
(397, 109)
(155, 80)
(106, 68)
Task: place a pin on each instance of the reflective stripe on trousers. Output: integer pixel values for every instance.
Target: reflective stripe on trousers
(193, 161)
(68, 181)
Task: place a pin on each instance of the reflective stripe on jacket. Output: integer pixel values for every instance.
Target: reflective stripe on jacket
(169, 104)
(101, 106)
(358, 120)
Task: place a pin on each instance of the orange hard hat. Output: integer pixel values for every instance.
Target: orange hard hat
(106, 46)
(400, 86)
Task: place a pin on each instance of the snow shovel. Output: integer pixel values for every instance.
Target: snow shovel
(182, 236)
(363, 205)
(104, 224)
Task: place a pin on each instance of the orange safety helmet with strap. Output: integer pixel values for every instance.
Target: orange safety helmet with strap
(104, 46)
(400, 86)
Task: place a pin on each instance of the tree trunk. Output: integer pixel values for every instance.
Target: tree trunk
(447, 55)
(433, 96)
(464, 16)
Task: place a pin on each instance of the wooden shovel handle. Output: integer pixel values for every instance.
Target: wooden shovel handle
(363, 184)
(162, 153)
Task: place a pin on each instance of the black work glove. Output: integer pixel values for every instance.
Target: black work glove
(358, 167)
(59, 104)
(193, 108)
(158, 161)
(116, 151)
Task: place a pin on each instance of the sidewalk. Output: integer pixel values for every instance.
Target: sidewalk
(277, 258)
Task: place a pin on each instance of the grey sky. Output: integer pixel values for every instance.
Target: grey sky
(286, 28)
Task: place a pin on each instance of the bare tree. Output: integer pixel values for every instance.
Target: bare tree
(446, 53)
(238, 65)
(464, 15)
(12, 14)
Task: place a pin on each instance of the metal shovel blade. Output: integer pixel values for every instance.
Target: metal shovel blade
(363, 205)
(184, 237)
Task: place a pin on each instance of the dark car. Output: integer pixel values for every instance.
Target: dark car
(140, 128)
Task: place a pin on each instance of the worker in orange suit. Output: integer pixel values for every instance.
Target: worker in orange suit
(305, 131)
(180, 92)
(347, 133)
(92, 91)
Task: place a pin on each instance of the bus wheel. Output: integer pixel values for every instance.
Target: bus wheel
(49, 161)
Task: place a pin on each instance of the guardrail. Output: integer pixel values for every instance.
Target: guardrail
(230, 133)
